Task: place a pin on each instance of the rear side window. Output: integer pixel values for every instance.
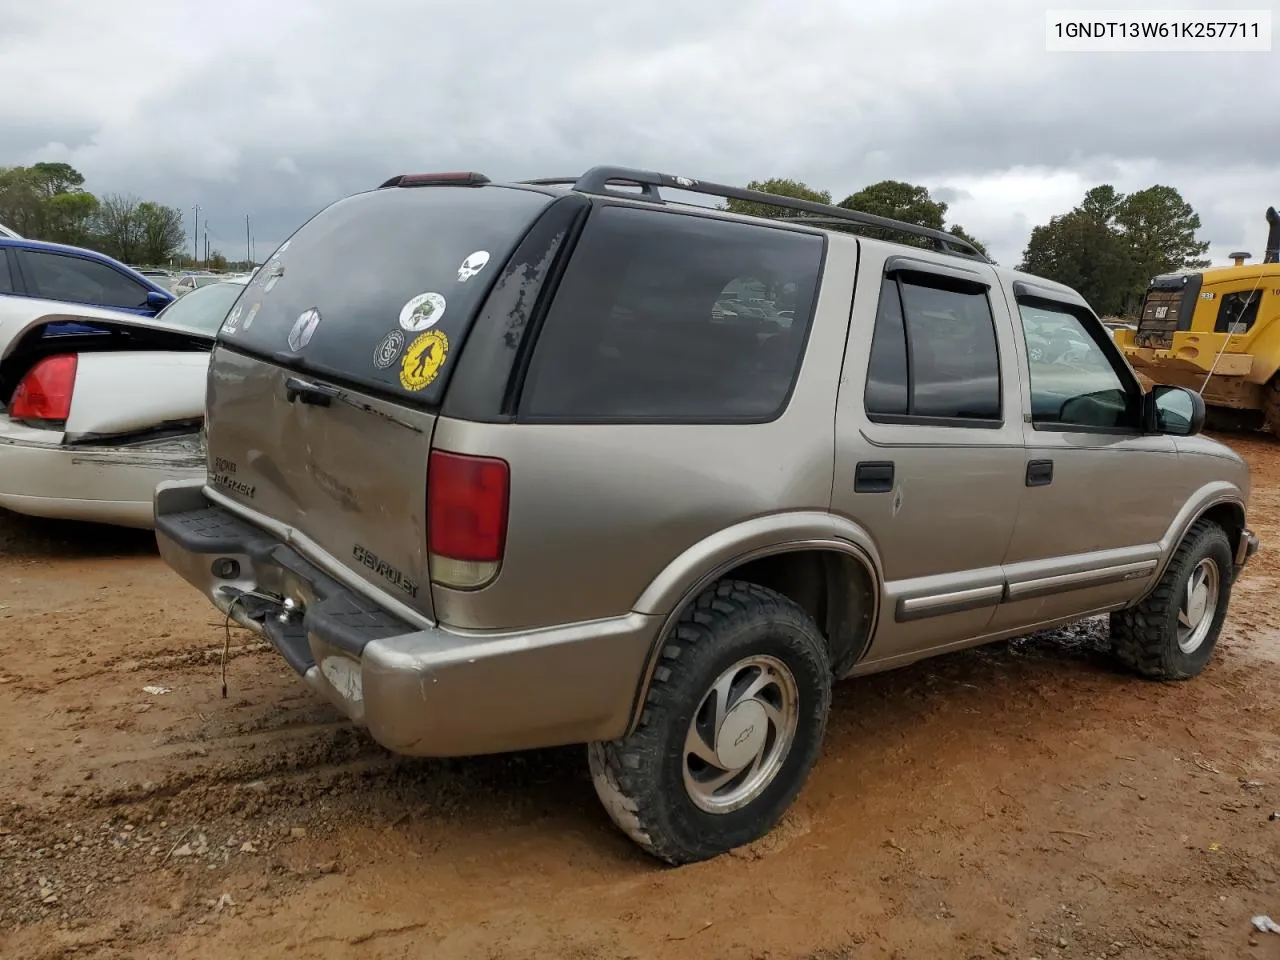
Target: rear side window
(675, 318)
(380, 289)
(56, 276)
(6, 279)
(933, 354)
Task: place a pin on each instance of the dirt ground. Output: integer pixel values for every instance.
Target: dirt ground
(1023, 800)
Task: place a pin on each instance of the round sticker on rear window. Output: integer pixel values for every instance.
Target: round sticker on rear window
(422, 361)
(422, 312)
(303, 329)
(388, 349)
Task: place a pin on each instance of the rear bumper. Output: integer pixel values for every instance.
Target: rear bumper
(100, 484)
(419, 689)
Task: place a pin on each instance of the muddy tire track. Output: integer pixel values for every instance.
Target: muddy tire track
(1024, 799)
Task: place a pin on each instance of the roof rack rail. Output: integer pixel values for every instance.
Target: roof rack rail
(599, 180)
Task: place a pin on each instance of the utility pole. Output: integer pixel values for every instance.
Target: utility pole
(195, 237)
(206, 240)
(247, 254)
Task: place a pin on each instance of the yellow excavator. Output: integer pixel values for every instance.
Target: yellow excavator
(1217, 331)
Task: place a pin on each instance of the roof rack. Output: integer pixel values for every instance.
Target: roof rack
(598, 181)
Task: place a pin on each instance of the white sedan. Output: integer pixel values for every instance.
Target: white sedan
(97, 407)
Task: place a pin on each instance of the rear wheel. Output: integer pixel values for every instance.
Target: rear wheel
(731, 727)
(1171, 634)
(1273, 405)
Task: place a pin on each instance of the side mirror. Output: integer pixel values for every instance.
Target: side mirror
(158, 301)
(1175, 410)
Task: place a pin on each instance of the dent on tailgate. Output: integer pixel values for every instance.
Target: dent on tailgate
(350, 476)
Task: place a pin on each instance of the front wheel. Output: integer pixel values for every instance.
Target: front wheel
(1171, 634)
(731, 727)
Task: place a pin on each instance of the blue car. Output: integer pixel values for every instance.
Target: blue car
(53, 271)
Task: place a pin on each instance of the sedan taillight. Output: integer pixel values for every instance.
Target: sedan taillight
(44, 394)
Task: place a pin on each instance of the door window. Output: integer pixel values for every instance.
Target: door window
(1073, 381)
(933, 355)
(56, 276)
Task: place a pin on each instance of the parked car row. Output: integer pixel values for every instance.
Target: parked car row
(180, 284)
(99, 402)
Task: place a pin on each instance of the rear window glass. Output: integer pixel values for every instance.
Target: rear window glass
(379, 289)
(671, 317)
(203, 309)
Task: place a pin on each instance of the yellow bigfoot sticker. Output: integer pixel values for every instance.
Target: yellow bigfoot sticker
(423, 360)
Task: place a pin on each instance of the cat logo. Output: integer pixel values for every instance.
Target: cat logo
(422, 361)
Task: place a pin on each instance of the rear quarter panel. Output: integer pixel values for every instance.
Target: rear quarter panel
(598, 511)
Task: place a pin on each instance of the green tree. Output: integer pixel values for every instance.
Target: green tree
(162, 232)
(782, 187)
(20, 200)
(909, 203)
(1160, 230)
(898, 201)
(45, 202)
(69, 218)
(1102, 203)
(958, 231)
(1086, 255)
(1111, 245)
(54, 178)
(119, 227)
(217, 261)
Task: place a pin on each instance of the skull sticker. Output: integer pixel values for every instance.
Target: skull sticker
(473, 265)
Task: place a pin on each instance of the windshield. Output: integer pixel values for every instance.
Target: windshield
(203, 309)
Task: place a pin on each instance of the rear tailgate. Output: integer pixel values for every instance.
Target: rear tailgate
(330, 368)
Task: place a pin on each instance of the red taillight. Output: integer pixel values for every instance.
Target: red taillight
(466, 517)
(45, 392)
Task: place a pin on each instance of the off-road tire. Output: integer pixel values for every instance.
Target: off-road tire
(1271, 401)
(1144, 638)
(639, 778)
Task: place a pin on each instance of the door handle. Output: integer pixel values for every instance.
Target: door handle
(1039, 473)
(313, 393)
(873, 476)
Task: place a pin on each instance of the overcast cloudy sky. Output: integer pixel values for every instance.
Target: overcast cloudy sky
(277, 109)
